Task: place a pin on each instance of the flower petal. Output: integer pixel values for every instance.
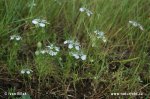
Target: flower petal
(70, 46)
(82, 9)
(76, 56)
(77, 47)
(28, 72)
(35, 21)
(83, 57)
(22, 71)
(42, 24)
(65, 42)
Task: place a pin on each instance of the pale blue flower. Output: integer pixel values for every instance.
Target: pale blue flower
(27, 71)
(50, 49)
(15, 37)
(72, 44)
(82, 9)
(136, 24)
(100, 35)
(39, 22)
(88, 12)
(78, 54)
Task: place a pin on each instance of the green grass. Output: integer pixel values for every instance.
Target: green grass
(119, 65)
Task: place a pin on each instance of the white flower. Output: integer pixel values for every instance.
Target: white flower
(100, 35)
(83, 57)
(39, 22)
(52, 53)
(72, 44)
(78, 55)
(65, 42)
(40, 52)
(42, 24)
(77, 47)
(43, 51)
(135, 24)
(22, 71)
(37, 52)
(82, 9)
(18, 38)
(35, 21)
(15, 37)
(141, 27)
(88, 12)
(57, 49)
(27, 71)
(104, 39)
(51, 50)
(50, 46)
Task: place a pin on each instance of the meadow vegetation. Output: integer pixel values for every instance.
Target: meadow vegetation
(75, 49)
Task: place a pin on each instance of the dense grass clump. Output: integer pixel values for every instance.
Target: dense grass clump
(75, 49)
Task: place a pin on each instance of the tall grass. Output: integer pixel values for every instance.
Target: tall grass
(121, 64)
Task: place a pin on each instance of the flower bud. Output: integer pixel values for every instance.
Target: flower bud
(39, 44)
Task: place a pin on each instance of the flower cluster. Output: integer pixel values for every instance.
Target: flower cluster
(15, 37)
(88, 12)
(135, 24)
(100, 35)
(72, 44)
(78, 54)
(51, 50)
(27, 71)
(39, 22)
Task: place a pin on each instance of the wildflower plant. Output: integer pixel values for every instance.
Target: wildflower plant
(78, 55)
(136, 24)
(13, 51)
(51, 50)
(44, 63)
(100, 35)
(72, 44)
(73, 64)
(39, 22)
(75, 50)
(26, 71)
(88, 12)
(15, 37)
